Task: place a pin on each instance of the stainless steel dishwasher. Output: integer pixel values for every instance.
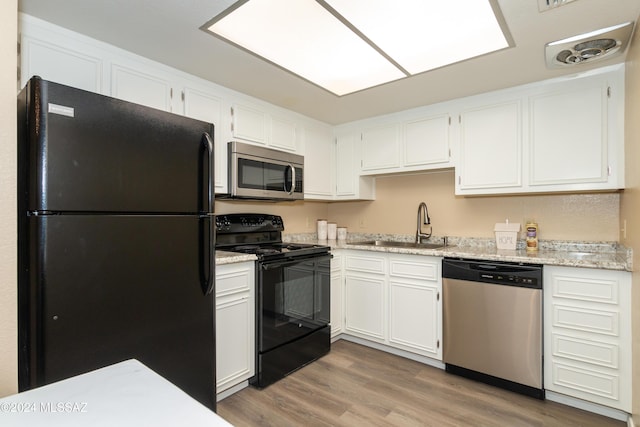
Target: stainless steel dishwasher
(493, 323)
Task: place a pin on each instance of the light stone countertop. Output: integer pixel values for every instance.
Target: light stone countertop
(601, 255)
(224, 257)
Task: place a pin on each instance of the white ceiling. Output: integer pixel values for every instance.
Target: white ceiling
(168, 31)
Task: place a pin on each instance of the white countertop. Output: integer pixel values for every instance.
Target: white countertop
(125, 394)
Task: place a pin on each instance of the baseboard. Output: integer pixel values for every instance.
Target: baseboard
(630, 422)
(616, 414)
(231, 390)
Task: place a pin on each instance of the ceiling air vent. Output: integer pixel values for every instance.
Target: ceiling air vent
(588, 47)
(551, 4)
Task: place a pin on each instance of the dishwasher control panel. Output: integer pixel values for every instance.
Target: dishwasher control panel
(509, 279)
(500, 273)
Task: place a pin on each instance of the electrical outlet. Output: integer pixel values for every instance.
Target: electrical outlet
(624, 229)
(308, 224)
(362, 223)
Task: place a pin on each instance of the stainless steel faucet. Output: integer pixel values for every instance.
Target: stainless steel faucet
(422, 209)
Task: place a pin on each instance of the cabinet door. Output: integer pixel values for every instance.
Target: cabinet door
(365, 306)
(234, 342)
(414, 317)
(415, 314)
(426, 142)
(248, 124)
(319, 163)
(140, 87)
(284, 134)
(490, 149)
(207, 107)
(381, 148)
(337, 295)
(60, 65)
(365, 295)
(568, 135)
(235, 324)
(347, 173)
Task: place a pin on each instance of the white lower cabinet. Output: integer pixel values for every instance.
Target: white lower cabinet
(337, 294)
(588, 335)
(414, 304)
(235, 324)
(394, 300)
(365, 299)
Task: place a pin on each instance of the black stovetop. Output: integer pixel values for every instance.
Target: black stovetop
(259, 234)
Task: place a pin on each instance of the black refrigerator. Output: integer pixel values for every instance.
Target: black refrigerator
(116, 239)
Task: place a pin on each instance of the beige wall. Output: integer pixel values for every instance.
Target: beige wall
(8, 269)
(630, 201)
(298, 217)
(560, 217)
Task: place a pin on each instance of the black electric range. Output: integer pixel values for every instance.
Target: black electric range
(293, 293)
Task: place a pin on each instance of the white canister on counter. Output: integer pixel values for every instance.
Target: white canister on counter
(332, 229)
(322, 229)
(342, 233)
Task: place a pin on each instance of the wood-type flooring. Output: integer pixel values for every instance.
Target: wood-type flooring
(358, 386)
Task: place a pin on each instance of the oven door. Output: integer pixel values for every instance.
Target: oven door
(293, 299)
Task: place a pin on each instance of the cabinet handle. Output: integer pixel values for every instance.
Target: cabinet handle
(438, 296)
(438, 344)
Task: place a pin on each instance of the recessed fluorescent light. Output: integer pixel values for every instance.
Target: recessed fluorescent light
(421, 35)
(349, 45)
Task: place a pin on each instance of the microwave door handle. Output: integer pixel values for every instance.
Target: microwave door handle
(293, 180)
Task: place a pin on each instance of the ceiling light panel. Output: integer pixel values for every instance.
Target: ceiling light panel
(304, 38)
(421, 35)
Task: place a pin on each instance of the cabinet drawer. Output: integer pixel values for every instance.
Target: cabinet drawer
(586, 383)
(365, 264)
(414, 269)
(586, 289)
(233, 280)
(594, 352)
(587, 320)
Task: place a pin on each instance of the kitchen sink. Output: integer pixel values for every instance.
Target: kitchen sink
(394, 244)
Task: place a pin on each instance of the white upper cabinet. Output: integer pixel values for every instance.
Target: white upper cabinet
(562, 135)
(426, 141)
(415, 140)
(569, 135)
(319, 162)
(490, 148)
(141, 87)
(61, 65)
(254, 124)
(381, 148)
(208, 107)
(284, 134)
(248, 124)
(350, 185)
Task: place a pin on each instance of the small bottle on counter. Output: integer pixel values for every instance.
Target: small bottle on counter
(532, 236)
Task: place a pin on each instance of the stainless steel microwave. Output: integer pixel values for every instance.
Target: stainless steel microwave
(263, 173)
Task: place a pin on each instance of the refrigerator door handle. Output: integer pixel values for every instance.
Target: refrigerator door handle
(208, 142)
(208, 284)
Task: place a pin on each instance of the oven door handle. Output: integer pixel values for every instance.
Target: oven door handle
(270, 265)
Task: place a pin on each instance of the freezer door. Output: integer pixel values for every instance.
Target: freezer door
(103, 289)
(92, 153)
